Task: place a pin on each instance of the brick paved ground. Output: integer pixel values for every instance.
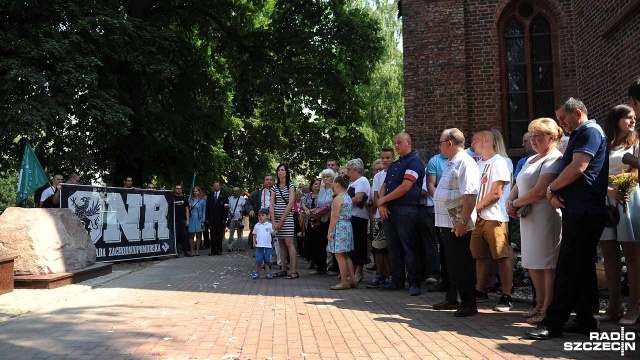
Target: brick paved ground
(209, 308)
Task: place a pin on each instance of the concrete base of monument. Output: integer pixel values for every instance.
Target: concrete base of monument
(6, 274)
(52, 281)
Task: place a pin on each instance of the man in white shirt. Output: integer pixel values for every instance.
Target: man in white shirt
(259, 199)
(460, 182)
(490, 238)
(48, 192)
(236, 222)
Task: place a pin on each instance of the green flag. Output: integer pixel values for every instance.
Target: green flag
(32, 177)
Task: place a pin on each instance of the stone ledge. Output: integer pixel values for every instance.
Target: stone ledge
(6, 274)
(52, 281)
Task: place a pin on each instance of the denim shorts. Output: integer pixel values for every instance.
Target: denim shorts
(263, 255)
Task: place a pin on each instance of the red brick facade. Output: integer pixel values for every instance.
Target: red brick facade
(454, 68)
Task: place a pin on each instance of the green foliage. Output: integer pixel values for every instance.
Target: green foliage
(225, 88)
(8, 186)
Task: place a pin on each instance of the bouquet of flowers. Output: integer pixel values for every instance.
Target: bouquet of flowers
(317, 213)
(626, 183)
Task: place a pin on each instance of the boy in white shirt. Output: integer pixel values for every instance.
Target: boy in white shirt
(262, 242)
(489, 238)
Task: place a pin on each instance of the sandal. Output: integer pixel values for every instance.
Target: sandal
(537, 319)
(340, 287)
(533, 312)
(293, 275)
(615, 316)
(280, 274)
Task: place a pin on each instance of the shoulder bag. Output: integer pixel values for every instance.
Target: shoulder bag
(523, 211)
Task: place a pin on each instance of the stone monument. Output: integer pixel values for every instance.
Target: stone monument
(45, 241)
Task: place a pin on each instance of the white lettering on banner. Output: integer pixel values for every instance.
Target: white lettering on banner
(156, 211)
(132, 250)
(119, 218)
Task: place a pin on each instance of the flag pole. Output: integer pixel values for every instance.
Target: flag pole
(193, 184)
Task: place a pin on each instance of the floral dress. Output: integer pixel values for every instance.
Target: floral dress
(343, 232)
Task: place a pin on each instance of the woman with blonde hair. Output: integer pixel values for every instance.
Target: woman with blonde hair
(540, 222)
(623, 139)
(197, 211)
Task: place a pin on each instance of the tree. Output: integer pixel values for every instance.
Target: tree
(160, 89)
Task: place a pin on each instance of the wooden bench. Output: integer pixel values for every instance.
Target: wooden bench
(6, 274)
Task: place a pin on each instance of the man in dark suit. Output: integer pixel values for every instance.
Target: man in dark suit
(217, 212)
(259, 199)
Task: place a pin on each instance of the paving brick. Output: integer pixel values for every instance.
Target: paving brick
(212, 309)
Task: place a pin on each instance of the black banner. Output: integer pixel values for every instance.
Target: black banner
(124, 224)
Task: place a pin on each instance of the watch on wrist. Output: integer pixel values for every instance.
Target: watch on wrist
(463, 221)
(549, 191)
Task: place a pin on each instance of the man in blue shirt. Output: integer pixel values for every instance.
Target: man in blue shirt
(398, 204)
(526, 145)
(579, 191)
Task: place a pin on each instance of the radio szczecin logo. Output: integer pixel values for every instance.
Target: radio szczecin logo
(606, 341)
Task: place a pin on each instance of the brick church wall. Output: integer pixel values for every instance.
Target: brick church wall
(608, 52)
(452, 65)
(434, 68)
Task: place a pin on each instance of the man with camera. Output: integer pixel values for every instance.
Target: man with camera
(236, 222)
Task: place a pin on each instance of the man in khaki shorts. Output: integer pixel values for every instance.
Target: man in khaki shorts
(490, 236)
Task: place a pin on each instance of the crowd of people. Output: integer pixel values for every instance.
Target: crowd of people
(442, 220)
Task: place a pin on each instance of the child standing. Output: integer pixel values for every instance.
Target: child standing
(262, 242)
(340, 236)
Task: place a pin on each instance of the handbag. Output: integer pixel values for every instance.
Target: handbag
(317, 213)
(523, 211)
(351, 191)
(379, 241)
(613, 215)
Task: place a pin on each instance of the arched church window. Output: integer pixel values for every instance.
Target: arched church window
(528, 49)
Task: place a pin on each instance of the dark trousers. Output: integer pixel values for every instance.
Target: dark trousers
(206, 239)
(252, 223)
(461, 268)
(182, 236)
(576, 284)
(359, 253)
(318, 245)
(430, 259)
(444, 273)
(217, 234)
(402, 232)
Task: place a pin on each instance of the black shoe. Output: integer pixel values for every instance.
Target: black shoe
(229, 250)
(391, 286)
(186, 255)
(504, 304)
(211, 254)
(437, 288)
(542, 332)
(575, 328)
(481, 296)
(445, 305)
(464, 312)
